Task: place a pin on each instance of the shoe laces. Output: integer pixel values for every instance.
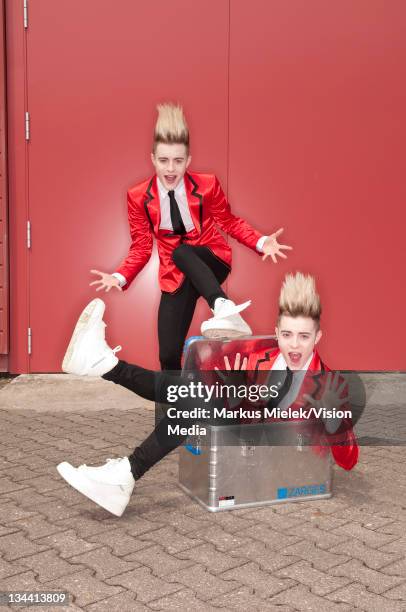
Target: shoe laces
(110, 462)
(117, 349)
(115, 460)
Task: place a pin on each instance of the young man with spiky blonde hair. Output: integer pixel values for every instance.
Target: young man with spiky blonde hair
(298, 332)
(184, 211)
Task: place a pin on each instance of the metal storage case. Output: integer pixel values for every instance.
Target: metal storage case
(231, 467)
(232, 471)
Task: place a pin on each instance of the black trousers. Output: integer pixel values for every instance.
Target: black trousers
(204, 273)
(152, 386)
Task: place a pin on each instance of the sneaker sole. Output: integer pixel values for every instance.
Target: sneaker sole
(92, 313)
(88, 488)
(225, 333)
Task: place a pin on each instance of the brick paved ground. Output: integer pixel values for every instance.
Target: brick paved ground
(166, 552)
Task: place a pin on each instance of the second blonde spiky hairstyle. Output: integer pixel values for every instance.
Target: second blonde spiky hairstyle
(171, 126)
(298, 297)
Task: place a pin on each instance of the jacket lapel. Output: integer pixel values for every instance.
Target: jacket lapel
(151, 205)
(195, 201)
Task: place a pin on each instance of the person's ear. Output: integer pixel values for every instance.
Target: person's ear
(276, 332)
(153, 158)
(189, 159)
(318, 336)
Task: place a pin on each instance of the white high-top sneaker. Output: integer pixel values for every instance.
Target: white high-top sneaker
(88, 353)
(109, 485)
(226, 323)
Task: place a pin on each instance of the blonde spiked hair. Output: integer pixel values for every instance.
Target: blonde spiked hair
(298, 297)
(171, 126)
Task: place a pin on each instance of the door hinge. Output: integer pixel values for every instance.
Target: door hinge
(29, 340)
(27, 125)
(25, 14)
(28, 234)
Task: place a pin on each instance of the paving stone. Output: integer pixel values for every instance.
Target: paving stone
(202, 582)
(226, 520)
(317, 507)
(29, 498)
(142, 582)
(398, 593)
(319, 558)
(19, 473)
(34, 462)
(84, 587)
(318, 582)
(48, 565)
(7, 485)
(10, 569)
(88, 524)
(137, 525)
(16, 545)
(329, 522)
(215, 561)
(300, 598)
(222, 540)
(266, 558)
(368, 536)
(323, 539)
(272, 519)
(243, 599)
(158, 560)
(263, 583)
(43, 484)
(56, 510)
(181, 522)
(364, 516)
(171, 540)
(397, 546)
(37, 527)
(11, 511)
(68, 495)
(184, 600)
(123, 602)
(67, 543)
(104, 563)
(357, 595)
(394, 528)
(396, 569)
(373, 558)
(8, 530)
(21, 582)
(275, 540)
(375, 581)
(120, 542)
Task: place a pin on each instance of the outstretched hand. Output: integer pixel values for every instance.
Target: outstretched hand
(272, 248)
(106, 281)
(237, 363)
(331, 399)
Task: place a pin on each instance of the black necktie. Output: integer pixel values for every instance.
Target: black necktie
(176, 217)
(283, 389)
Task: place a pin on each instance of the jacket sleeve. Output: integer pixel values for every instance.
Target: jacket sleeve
(141, 242)
(231, 224)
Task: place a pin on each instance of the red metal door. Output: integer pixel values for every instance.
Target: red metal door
(95, 71)
(317, 116)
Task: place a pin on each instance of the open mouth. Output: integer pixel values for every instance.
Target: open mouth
(295, 358)
(170, 178)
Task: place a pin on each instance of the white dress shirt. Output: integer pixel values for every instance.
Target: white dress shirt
(166, 223)
(297, 380)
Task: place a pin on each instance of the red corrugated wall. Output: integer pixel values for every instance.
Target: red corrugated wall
(297, 106)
